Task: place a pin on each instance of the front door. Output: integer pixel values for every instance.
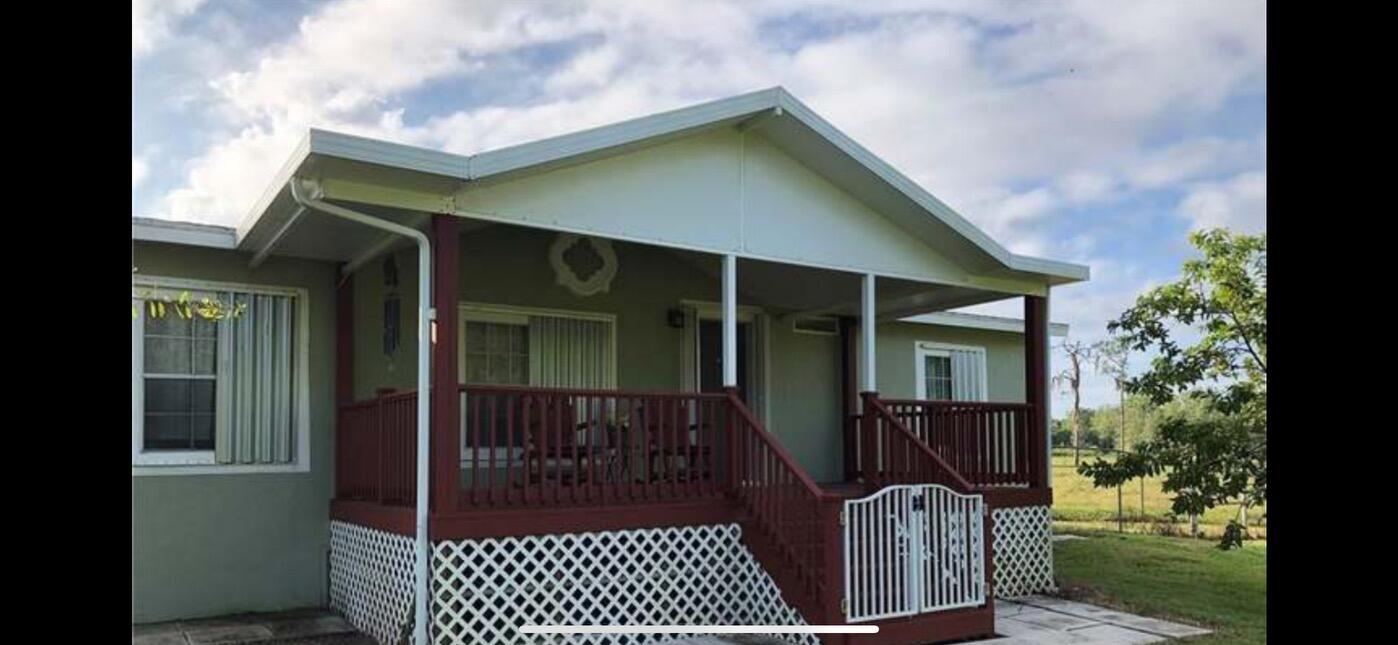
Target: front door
(711, 357)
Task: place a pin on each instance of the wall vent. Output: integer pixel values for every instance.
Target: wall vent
(818, 325)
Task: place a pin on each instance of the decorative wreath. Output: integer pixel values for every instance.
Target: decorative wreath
(585, 265)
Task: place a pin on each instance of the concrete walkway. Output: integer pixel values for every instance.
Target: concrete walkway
(1044, 619)
(1036, 620)
(299, 627)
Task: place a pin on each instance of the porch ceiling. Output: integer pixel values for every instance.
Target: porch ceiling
(795, 289)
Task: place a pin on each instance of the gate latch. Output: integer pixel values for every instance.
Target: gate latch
(919, 502)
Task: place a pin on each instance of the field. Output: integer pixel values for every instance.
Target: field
(1077, 505)
(1179, 579)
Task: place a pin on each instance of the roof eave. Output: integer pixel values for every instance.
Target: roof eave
(145, 229)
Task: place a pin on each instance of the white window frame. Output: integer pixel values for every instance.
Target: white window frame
(925, 348)
(201, 462)
(512, 315)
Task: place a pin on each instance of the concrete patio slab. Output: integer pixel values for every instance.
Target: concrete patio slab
(230, 634)
(1055, 620)
(316, 626)
(1159, 627)
(166, 638)
(1113, 617)
(1045, 620)
(1031, 633)
(297, 627)
(1115, 634)
(1036, 620)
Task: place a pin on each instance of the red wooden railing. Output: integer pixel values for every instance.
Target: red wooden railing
(533, 447)
(989, 444)
(789, 510)
(375, 457)
(890, 453)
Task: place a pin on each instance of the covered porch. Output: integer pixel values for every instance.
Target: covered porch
(708, 405)
(656, 337)
(559, 405)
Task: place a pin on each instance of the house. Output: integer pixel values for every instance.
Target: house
(696, 367)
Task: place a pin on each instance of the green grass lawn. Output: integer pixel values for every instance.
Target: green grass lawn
(1080, 505)
(1180, 579)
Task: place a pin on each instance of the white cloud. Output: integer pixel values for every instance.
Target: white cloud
(971, 100)
(1086, 186)
(152, 20)
(139, 170)
(1189, 159)
(1238, 204)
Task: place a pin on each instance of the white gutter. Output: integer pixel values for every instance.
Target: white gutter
(425, 315)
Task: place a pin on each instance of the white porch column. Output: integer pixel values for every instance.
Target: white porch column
(730, 320)
(866, 331)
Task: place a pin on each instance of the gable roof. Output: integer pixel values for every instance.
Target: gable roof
(780, 117)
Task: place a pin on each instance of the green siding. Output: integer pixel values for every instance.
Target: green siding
(204, 545)
(806, 399)
(1004, 358)
(506, 265)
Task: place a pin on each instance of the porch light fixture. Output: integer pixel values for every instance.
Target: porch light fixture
(675, 317)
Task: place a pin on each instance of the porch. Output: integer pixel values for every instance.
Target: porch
(511, 461)
(546, 459)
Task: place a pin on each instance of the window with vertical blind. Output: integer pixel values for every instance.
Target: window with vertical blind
(544, 348)
(950, 372)
(503, 345)
(218, 396)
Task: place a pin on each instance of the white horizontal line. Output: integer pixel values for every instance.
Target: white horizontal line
(699, 629)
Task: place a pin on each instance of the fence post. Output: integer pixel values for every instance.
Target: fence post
(833, 560)
(869, 461)
(734, 481)
(378, 461)
(989, 540)
(1120, 527)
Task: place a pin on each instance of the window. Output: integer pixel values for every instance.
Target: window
(178, 371)
(497, 353)
(937, 375)
(950, 372)
(218, 396)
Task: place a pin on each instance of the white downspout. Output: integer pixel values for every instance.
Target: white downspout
(425, 315)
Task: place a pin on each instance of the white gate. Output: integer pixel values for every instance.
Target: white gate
(913, 549)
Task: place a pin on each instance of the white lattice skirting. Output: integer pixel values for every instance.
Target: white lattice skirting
(1023, 544)
(694, 575)
(371, 579)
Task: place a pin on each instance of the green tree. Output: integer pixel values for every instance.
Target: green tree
(1219, 456)
(1110, 358)
(1140, 418)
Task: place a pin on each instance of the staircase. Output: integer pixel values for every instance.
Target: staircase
(795, 528)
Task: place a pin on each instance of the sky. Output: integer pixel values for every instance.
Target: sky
(1093, 132)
